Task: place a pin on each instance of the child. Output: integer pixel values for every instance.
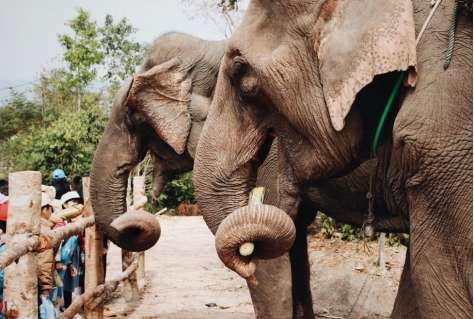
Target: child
(46, 258)
(69, 266)
(3, 234)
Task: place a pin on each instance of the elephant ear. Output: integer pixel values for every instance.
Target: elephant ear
(357, 40)
(162, 96)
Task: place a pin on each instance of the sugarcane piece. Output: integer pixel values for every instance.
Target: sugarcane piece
(256, 196)
(71, 212)
(246, 249)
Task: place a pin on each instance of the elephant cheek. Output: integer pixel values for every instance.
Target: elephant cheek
(270, 230)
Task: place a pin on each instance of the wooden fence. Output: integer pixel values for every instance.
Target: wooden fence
(24, 241)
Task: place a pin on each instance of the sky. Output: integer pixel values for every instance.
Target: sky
(29, 29)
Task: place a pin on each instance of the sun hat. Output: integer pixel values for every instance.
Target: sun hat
(58, 174)
(68, 196)
(50, 190)
(46, 200)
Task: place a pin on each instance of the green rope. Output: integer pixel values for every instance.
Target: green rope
(385, 112)
(449, 55)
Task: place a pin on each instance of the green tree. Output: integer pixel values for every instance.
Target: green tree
(122, 53)
(69, 143)
(81, 53)
(53, 93)
(15, 113)
(176, 191)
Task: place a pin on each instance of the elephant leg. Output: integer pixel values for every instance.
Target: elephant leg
(271, 298)
(302, 298)
(441, 266)
(405, 306)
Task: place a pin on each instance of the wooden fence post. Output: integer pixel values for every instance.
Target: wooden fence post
(94, 263)
(382, 252)
(138, 193)
(24, 220)
(130, 285)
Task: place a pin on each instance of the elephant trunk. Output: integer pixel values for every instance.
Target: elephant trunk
(244, 234)
(109, 175)
(251, 233)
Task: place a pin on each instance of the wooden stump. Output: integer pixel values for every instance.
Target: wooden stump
(24, 220)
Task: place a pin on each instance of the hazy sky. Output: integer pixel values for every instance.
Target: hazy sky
(29, 28)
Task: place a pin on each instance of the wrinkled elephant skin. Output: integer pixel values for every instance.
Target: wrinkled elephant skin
(317, 75)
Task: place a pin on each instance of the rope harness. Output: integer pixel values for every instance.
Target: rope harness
(452, 29)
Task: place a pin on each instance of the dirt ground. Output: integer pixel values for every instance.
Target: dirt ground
(186, 279)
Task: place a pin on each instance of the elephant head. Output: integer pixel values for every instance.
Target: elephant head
(160, 110)
(293, 70)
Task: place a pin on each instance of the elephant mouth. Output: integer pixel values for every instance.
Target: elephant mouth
(153, 155)
(262, 152)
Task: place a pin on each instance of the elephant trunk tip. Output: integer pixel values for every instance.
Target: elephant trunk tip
(135, 231)
(252, 267)
(251, 233)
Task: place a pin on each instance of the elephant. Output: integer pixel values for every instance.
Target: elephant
(316, 76)
(133, 129)
(160, 110)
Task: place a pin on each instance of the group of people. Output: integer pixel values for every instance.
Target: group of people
(66, 263)
(60, 269)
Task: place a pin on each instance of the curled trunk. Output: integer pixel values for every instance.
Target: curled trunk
(140, 226)
(266, 229)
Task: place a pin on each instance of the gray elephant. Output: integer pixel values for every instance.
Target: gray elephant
(160, 110)
(318, 75)
(177, 65)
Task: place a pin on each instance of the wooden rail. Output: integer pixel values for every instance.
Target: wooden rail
(24, 241)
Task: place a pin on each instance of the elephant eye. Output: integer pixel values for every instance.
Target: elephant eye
(243, 77)
(238, 69)
(130, 118)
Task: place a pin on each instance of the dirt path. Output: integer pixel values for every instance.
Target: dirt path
(183, 274)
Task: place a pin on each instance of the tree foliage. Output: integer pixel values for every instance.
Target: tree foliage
(81, 53)
(122, 53)
(15, 115)
(176, 191)
(53, 92)
(68, 143)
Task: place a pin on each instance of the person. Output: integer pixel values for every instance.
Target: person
(76, 181)
(51, 191)
(4, 187)
(4, 198)
(76, 185)
(70, 265)
(46, 258)
(60, 183)
(3, 234)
